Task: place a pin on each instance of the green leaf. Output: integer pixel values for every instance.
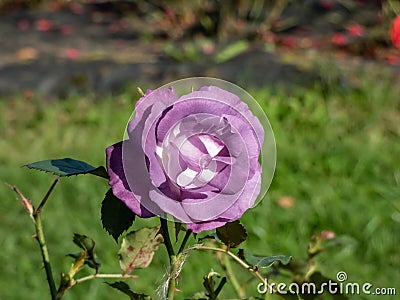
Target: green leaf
(263, 261)
(232, 234)
(67, 167)
(210, 236)
(84, 242)
(124, 288)
(138, 248)
(101, 172)
(116, 217)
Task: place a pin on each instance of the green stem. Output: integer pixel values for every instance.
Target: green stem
(109, 276)
(226, 264)
(46, 197)
(219, 288)
(167, 240)
(185, 239)
(172, 278)
(172, 258)
(36, 216)
(45, 254)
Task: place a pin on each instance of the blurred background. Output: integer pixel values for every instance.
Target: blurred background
(326, 73)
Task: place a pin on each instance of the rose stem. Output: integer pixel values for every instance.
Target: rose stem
(45, 254)
(172, 278)
(36, 216)
(226, 265)
(172, 258)
(185, 239)
(167, 240)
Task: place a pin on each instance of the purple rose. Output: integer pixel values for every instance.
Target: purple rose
(194, 157)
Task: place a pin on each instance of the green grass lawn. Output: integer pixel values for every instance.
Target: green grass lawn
(338, 158)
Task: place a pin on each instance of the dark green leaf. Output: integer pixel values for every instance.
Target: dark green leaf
(138, 248)
(232, 234)
(101, 172)
(263, 261)
(124, 288)
(210, 236)
(67, 167)
(115, 215)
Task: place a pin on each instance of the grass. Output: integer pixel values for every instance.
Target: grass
(337, 158)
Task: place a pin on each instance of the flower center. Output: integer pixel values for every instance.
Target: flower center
(191, 155)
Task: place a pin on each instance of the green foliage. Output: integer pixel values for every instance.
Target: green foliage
(116, 217)
(67, 167)
(138, 248)
(263, 261)
(336, 159)
(232, 234)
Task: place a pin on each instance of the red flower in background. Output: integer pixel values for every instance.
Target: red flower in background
(43, 25)
(339, 39)
(395, 32)
(356, 30)
(72, 53)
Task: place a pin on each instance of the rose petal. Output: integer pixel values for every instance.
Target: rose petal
(120, 187)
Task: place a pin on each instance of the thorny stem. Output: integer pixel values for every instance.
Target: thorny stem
(45, 254)
(172, 258)
(172, 278)
(36, 215)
